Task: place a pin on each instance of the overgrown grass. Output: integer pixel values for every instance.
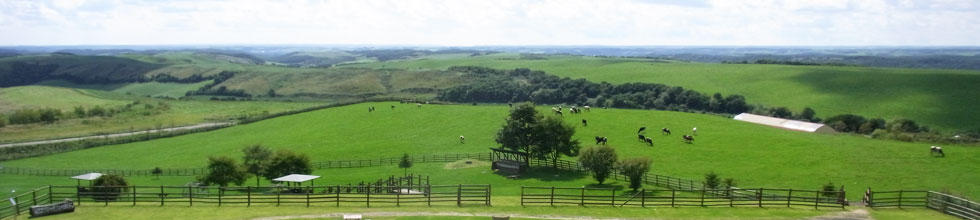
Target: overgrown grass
(755, 155)
(944, 99)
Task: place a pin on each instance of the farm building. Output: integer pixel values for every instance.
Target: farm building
(785, 123)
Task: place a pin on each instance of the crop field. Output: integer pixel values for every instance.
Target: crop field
(943, 99)
(755, 155)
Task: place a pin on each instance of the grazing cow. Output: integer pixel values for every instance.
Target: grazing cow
(649, 141)
(585, 123)
(694, 131)
(936, 151)
(371, 109)
(601, 140)
(558, 112)
(642, 129)
(587, 109)
(392, 107)
(419, 105)
(688, 138)
(641, 137)
(665, 131)
(461, 139)
(510, 104)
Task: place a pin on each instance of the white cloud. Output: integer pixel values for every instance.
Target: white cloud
(499, 22)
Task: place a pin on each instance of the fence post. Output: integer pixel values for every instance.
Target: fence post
(643, 198)
(368, 195)
(308, 190)
(105, 196)
(789, 197)
(522, 195)
(582, 198)
(760, 197)
(731, 197)
(50, 196)
(428, 193)
(613, 202)
(161, 195)
(134, 195)
(248, 196)
(703, 191)
(459, 195)
(190, 195)
(552, 196)
(673, 194)
(398, 198)
(16, 206)
(78, 194)
(338, 196)
(221, 190)
(489, 192)
(816, 201)
(900, 198)
(34, 196)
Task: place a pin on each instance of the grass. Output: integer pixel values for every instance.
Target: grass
(755, 155)
(152, 89)
(944, 99)
(180, 112)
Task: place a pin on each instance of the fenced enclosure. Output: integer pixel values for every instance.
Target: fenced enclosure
(583, 196)
(941, 202)
(23, 202)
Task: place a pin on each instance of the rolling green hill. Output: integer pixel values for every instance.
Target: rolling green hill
(755, 155)
(944, 99)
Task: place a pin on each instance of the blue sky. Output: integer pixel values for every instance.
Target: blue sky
(493, 22)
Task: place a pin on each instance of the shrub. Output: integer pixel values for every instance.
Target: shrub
(634, 169)
(599, 161)
(108, 187)
(829, 190)
(711, 180)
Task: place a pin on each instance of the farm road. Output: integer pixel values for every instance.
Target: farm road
(202, 125)
(859, 214)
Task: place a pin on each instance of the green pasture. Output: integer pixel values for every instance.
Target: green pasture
(153, 89)
(755, 155)
(944, 99)
(179, 112)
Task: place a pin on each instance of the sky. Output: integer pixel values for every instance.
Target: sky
(492, 22)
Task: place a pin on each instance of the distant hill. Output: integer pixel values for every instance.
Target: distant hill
(26, 70)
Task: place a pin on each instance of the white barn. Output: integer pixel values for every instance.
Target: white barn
(786, 123)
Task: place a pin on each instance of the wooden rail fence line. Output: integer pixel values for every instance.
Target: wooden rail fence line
(938, 201)
(583, 196)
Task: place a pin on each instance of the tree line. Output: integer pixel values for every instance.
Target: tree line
(51, 115)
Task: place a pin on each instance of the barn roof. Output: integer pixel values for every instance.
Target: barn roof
(87, 176)
(296, 178)
(785, 123)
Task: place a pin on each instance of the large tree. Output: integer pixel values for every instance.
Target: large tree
(552, 139)
(598, 160)
(224, 170)
(634, 169)
(256, 159)
(286, 162)
(518, 129)
(405, 163)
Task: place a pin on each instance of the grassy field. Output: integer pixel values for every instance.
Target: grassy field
(178, 112)
(755, 155)
(152, 89)
(944, 99)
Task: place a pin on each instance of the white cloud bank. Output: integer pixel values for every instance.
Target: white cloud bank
(492, 22)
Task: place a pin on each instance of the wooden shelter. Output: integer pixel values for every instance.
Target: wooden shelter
(88, 176)
(509, 161)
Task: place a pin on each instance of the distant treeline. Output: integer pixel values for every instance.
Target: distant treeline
(210, 89)
(518, 85)
(909, 61)
(786, 62)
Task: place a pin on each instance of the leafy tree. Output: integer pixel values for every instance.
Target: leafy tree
(405, 163)
(271, 93)
(871, 125)
(711, 180)
(553, 138)
(599, 160)
(807, 115)
(256, 160)
(735, 104)
(728, 183)
(109, 187)
(49, 115)
(156, 172)
(224, 170)
(97, 111)
(634, 169)
(80, 111)
(516, 134)
(846, 122)
(286, 162)
(780, 112)
(903, 125)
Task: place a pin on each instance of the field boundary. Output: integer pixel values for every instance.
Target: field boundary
(731, 197)
(460, 195)
(942, 202)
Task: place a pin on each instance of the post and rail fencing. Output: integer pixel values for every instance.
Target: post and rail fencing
(583, 196)
(938, 201)
(23, 202)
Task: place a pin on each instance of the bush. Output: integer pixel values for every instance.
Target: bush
(711, 180)
(599, 161)
(829, 190)
(634, 169)
(108, 187)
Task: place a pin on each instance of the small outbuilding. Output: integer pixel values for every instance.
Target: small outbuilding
(786, 123)
(296, 178)
(87, 176)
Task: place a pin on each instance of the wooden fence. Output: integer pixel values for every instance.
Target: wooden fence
(24, 201)
(649, 178)
(941, 202)
(761, 197)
